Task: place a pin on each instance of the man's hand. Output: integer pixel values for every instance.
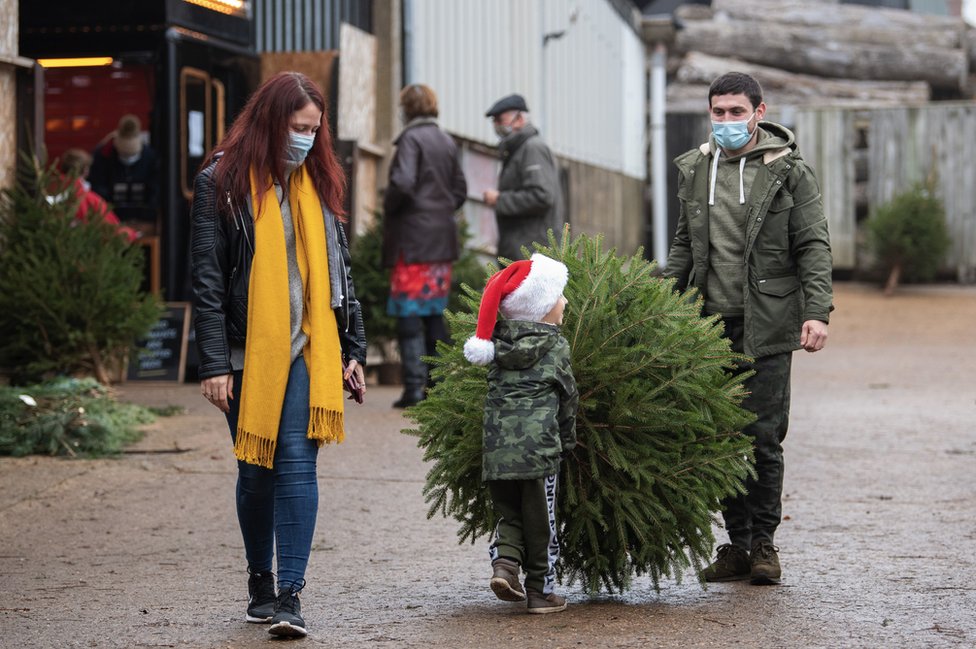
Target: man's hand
(491, 197)
(813, 335)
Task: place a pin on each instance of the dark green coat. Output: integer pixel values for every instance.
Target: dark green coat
(787, 255)
(530, 409)
(528, 193)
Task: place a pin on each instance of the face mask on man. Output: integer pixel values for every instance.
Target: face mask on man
(504, 130)
(298, 147)
(732, 136)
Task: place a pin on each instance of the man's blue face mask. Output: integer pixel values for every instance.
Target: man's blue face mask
(732, 136)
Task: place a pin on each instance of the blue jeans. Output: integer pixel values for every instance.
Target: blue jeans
(277, 507)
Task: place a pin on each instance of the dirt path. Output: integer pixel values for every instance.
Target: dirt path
(877, 548)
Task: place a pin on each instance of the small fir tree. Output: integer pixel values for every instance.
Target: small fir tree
(70, 291)
(908, 236)
(71, 417)
(658, 426)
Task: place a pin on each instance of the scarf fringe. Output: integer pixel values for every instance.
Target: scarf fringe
(254, 449)
(326, 425)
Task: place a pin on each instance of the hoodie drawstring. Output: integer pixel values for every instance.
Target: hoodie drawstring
(711, 188)
(742, 187)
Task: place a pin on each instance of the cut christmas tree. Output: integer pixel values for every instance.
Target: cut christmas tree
(658, 426)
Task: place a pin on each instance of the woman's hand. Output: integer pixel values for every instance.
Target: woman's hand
(218, 389)
(353, 367)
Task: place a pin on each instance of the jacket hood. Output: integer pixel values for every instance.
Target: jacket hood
(772, 136)
(772, 141)
(520, 344)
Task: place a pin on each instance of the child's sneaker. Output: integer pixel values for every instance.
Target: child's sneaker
(505, 582)
(260, 597)
(541, 604)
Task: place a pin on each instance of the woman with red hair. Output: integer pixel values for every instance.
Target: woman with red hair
(278, 325)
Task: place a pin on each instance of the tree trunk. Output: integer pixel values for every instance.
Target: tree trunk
(881, 21)
(98, 366)
(826, 52)
(698, 68)
(893, 278)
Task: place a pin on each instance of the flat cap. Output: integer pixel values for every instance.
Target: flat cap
(511, 102)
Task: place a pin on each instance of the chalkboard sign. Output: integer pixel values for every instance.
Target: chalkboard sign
(161, 355)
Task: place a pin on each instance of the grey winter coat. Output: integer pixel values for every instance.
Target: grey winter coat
(530, 409)
(529, 197)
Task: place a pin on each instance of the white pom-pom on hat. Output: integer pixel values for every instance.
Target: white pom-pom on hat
(525, 290)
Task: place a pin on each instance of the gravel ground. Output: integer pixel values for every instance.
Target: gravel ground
(876, 545)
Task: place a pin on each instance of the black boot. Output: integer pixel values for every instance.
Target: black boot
(412, 348)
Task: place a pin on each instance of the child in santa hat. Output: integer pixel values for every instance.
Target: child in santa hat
(529, 423)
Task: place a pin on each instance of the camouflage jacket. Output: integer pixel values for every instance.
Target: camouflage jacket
(530, 410)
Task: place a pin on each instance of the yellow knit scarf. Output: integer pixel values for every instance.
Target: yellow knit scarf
(267, 348)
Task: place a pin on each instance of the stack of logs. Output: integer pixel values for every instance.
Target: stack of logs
(820, 52)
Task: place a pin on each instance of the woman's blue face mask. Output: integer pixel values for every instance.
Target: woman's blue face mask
(298, 147)
(732, 136)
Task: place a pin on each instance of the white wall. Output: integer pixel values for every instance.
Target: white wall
(472, 52)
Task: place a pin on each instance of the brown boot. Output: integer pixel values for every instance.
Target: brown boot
(765, 564)
(541, 604)
(505, 581)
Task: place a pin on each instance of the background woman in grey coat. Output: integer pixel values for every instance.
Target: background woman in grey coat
(420, 234)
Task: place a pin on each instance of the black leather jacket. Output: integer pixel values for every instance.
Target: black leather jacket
(222, 248)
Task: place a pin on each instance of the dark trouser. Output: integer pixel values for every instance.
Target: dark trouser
(754, 516)
(526, 530)
(418, 336)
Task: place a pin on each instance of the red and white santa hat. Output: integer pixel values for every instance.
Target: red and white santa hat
(524, 290)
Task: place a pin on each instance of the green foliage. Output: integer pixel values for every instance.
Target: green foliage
(909, 233)
(70, 296)
(373, 280)
(658, 441)
(75, 417)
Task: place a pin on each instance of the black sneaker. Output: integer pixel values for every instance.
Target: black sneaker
(288, 621)
(260, 597)
(731, 564)
(765, 564)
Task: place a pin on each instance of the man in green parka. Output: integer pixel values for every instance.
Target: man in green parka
(752, 239)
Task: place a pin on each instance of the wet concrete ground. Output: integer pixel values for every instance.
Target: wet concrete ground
(877, 544)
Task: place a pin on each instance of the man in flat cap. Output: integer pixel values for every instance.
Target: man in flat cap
(527, 200)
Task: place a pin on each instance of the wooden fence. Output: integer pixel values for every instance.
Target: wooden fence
(863, 157)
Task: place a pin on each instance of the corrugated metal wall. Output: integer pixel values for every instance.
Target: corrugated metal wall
(585, 90)
(307, 25)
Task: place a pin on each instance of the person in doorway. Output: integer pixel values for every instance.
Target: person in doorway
(420, 234)
(72, 184)
(752, 240)
(527, 199)
(529, 423)
(277, 323)
(125, 173)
